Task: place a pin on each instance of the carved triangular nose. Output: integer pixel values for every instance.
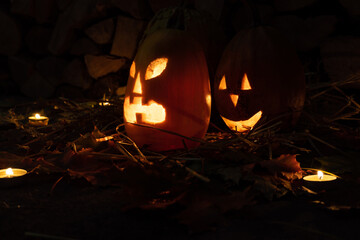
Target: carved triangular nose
(222, 85)
(234, 99)
(137, 85)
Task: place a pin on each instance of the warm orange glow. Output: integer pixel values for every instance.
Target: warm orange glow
(242, 126)
(245, 84)
(38, 120)
(104, 139)
(104, 103)
(137, 100)
(208, 100)
(137, 85)
(132, 70)
(320, 175)
(234, 99)
(222, 85)
(137, 112)
(155, 68)
(9, 172)
(12, 172)
(37, 117)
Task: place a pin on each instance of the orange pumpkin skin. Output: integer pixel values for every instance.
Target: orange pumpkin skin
(181, 89)
(276, 76)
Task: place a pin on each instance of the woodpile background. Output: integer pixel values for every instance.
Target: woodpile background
(84, 48)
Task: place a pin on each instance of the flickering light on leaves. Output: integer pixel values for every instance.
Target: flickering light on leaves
(104, 139)
(155, 68)
(234, 99)
(222, 85)
(136, 112)
(245, 84)
(245, 125)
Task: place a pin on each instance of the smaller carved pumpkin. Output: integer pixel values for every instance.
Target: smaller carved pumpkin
(259, 76)
(168, 88)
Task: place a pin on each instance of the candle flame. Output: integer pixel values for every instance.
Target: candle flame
(9, 172)
(37, 116)
(320, 175)
(104, 104)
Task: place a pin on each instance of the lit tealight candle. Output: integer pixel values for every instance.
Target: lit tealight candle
(11, 177)
(12, 172)
(319, 177)
(104, 104)
(38, 120)
(9, 172)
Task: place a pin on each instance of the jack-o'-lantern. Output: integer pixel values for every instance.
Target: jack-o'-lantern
(259, 76)
(168, 88)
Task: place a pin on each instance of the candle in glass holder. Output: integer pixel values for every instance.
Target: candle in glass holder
(38, 120)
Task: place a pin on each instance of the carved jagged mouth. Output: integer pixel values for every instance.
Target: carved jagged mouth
(136, 112)
(245, 125)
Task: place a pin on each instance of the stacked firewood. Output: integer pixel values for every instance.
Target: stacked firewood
(84, 48)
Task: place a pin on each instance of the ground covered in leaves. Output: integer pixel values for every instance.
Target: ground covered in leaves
(88, 180)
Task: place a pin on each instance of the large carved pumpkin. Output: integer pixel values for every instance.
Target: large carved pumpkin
(259, 76)
(168, 88)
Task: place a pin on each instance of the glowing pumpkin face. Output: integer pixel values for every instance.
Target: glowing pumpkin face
(259, 76)
(137, 112)
(168, 88)
(239, 96)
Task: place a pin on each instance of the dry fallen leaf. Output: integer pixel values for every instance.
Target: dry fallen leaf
(286, 165)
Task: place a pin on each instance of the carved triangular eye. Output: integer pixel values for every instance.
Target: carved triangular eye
(222, 85)
(155, 68)
(245, 84)
(137, 85)
(132, 70)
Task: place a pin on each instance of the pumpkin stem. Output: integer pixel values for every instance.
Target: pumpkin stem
(177, 20)
(254, 12)
(188, 4)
